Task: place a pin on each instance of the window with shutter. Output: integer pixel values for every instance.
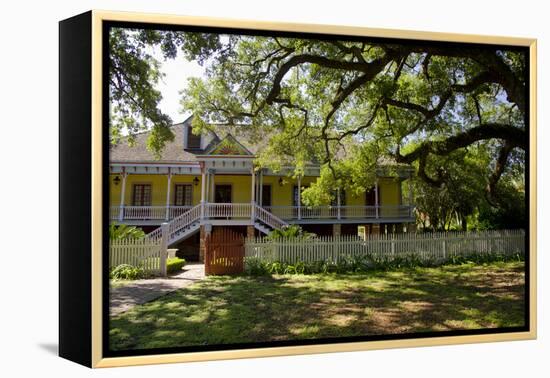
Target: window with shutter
(183, 195)
(193, 141)
(142, 195)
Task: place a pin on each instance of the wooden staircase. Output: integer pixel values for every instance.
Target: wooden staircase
(189, 223)
(265, 221)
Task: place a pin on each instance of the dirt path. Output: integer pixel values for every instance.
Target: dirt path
(123, 298)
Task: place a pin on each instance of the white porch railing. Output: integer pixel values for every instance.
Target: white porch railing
(227, 210)
(177, 224)
(146, 212)
(341, 212)
(176, 211)
(268, 218)
(184, 220)
(243, 210)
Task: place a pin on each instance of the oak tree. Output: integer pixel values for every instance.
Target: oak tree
(347, 104)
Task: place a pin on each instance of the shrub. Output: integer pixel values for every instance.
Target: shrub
(292, 231)
(366, 263)
(174, 265)
(126, 272)
(483, 258)
(255, 267)
(125, 232)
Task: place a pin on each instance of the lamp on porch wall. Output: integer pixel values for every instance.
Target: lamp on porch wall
(281, 181)
(116, 180)
(196, 181)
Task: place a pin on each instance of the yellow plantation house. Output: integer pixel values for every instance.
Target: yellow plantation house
(208, 181)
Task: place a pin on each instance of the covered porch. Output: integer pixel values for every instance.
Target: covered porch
(292, 214)
(232, 191)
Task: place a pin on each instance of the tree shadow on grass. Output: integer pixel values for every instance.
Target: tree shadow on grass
(225, 310)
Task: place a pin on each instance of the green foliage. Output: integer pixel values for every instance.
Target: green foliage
(248, 309)
(508, 212)
(133, 76)
(174, 265)
(449, 205)
(461, 201)
(126, 272)
(485, 258)
(353, 175)
(124, 231)
(292, 231)
(366, 263)
(314, 120)
(351, 106)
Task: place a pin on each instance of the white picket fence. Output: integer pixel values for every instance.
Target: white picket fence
(144, 253)
(438, 246)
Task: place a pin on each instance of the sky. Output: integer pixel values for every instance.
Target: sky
(177, 72)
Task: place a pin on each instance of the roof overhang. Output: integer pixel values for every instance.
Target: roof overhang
(160, 168)
(228, 163)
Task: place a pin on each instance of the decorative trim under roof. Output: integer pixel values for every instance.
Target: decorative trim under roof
(228, 146)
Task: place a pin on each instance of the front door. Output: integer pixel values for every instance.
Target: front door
(266, 195)
(370, 202)
(222, 194)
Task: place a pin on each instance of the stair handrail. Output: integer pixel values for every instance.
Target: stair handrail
(185, 220)
(155, 235)
(181, 221)
(268, 218)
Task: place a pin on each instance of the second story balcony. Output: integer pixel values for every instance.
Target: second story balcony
(235, 212)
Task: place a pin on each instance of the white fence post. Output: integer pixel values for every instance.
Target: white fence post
(143, 252)
(426, 247)
(164, 249)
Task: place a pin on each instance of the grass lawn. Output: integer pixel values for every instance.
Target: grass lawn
(240, 309)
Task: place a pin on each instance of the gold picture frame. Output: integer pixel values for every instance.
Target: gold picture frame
(97, 359)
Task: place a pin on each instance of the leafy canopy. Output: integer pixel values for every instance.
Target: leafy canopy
(345, 104)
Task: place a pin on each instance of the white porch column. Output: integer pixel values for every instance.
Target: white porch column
(376, 197)
(261, 189)
(252, 190)
(122, 194)
(168, 194)
(203, 190)
(252, 194)
(257, 187)
(212, 186)
(338, 201)
(299, 197)
(207, 196)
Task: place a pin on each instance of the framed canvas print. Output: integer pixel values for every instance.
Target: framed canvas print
(234, 189)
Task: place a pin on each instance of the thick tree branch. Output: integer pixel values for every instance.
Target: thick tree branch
(489, 59)
(426, 66)
(422, 160)
(502, 161)
(512, 135)
(371, 68)
(355, 131)
(473, 84)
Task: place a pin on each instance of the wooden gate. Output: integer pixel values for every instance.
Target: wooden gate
(224, 252)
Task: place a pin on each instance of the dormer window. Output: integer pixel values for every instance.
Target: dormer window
(193, 141)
